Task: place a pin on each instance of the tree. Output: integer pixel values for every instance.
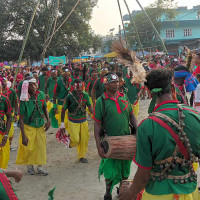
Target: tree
(145, 30)
(75, 35)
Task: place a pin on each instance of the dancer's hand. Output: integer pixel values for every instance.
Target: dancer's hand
(126, 194)
(47, 125)
(4, 140)
(18, 176)
(101, 152)
(25, 141)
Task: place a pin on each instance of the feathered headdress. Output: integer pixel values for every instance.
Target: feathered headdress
(189, 58)
(129, 59)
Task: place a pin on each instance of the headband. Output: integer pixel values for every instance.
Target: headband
(110, 78)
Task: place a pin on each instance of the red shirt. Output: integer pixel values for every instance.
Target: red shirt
(197, 71)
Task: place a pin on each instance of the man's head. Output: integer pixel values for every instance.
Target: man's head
(159, 78)
(35, 74)
(197, 59)
(178, 78)
(54, 73)
(94, 74)
(94, 64)
(66, 73)
(44, 71)
(33, 87)
(111, 82)
(76, 72)
(78, 86)
(104, 71)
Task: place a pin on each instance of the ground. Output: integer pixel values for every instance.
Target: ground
(73, 180)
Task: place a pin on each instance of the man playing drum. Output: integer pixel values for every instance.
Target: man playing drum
(168, 145)
(113, 111)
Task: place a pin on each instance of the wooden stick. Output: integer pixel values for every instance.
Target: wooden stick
(135, 27)
(49, 39)
(24, 42)
(120, 11)
(158, 35)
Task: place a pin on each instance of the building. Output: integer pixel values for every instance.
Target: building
(183, 30)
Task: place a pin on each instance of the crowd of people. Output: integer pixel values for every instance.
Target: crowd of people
(67, 96)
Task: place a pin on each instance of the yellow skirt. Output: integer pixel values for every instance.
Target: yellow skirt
(4, 154)
(193, 196)
(35, 152)
(79, 136)
(59, 109)
(136, 109)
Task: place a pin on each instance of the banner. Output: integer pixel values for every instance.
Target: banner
(57, 60)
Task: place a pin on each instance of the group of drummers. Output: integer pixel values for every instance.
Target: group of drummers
(168, 140)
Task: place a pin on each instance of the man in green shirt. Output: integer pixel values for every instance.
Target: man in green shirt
(43, 79)
(98, 87)
(118, 114)
(5, 110)
(133, 93)
(12, 95)
(51, 82)
(76, 103)
(168, 145)
(32, 142)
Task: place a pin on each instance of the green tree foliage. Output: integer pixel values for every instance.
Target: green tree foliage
(74, 37)
(146, 32)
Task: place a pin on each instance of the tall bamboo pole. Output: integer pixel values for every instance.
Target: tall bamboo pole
(24, 42)
(158, 35)
(120, 11)
(135, 27)
(50, 38)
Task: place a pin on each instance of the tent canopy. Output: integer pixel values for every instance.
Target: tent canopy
(111, 55)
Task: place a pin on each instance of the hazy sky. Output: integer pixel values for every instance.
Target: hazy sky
(106, 13)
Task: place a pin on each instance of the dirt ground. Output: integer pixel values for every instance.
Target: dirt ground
(73, 180)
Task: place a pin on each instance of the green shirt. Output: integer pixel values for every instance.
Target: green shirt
(133, 90)
(42, 83)
(50, 87)
(5, 108)
(117, 113)
(99, 87)
(62, 89)
(155, 143)
(12, 95)
(72, 105)
(33, 117)
(89, 86)
(19, 88)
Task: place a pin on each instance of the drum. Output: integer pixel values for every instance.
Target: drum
(119, 147)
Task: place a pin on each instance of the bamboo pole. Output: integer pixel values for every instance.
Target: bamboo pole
(120, 11)
(24, 42)
(158, 35)
(54, 27)
(50, 38)
(137, 34)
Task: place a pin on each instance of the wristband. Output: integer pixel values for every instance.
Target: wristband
(6, 136)
(54, 105)
(62, 125)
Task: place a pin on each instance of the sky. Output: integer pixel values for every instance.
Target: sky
(106, 14)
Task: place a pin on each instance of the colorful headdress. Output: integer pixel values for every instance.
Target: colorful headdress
(129, 59)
